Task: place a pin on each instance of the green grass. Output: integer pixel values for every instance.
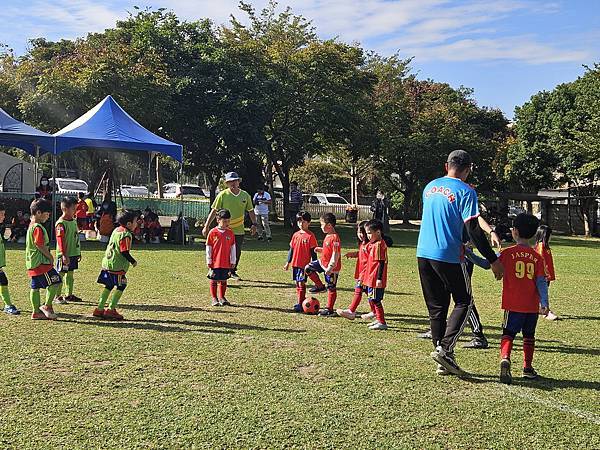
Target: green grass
(180, 374)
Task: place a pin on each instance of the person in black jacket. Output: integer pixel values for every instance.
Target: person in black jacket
(381, 210)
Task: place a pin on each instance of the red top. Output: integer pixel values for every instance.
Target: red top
(331, 243)
(301, 244)
(220, 249)
(82, 209)
(361, 261)
(38, 239)
(376, 253)
(522, 266)
(548, 260)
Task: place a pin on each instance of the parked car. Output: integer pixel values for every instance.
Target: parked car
(134, 191)
(319, 198)
(190, 191)
(72, 186)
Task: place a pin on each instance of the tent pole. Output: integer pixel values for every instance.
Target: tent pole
(53, 193)
(181, 201)
(36, 166)
(149, 171)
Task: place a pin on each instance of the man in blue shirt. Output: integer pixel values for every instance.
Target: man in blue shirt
(449, 206)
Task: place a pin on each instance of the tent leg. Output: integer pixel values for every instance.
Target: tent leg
(53, 195)
(181, 201)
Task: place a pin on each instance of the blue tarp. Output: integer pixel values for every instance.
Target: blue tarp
(17, 134)
(109, 127)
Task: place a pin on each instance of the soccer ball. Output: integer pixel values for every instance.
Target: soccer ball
(311, 305)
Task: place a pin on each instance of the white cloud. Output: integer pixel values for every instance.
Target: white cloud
(428, 29)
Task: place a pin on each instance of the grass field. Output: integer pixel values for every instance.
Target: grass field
(180, 374)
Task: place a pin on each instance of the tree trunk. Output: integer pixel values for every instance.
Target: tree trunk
(408, 193)
(159, 183)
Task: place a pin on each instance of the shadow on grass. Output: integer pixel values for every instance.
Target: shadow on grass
(542, 383)
(166, 325)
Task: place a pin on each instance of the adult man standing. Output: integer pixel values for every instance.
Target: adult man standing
(238, 202)
(262, 200)
(295, 205)
(450, 205)
(381, 210)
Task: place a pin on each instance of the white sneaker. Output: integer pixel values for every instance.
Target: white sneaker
(378, 326)
(368, 316)
(551, 316)
(48, 312)
(346, 314)
(441, 370)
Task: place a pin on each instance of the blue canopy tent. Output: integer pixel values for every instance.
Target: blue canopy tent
(17, 134)
(108, 127)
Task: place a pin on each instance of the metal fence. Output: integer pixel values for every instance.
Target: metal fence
(364, 212)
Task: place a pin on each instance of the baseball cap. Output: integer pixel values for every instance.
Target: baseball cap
(460, 158)
(231, 176)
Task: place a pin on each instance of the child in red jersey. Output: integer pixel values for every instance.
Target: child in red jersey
(302, 252)
(374, 275)
(330, 263)
(542, 246)
(361, 256)
(524, 289)
(220, 257)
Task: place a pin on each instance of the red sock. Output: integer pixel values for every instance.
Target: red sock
(331, 297)
(314, 277)
(222, 288)
(372, 306)
(358, 292)
(301, 291)
(506, 344)
(379, 312)
(528, 347)
(213, 289)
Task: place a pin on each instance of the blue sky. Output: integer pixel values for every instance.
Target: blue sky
(506, 50)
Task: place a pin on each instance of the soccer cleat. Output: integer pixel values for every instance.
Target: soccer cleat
(235, 276)
(426, 335)
(325, 312)
(98, 313)
(298, 308)
(477, 343)
(60, 300)
(551, 316)
(378, 326)
(224, 302)
(38, 316)
(441, 370)
(12, 310)
(505, 375)
(447, 360)
(317, 289)
(368, 316)
(530, 373)
(112, 314)
(73, 298)
(215, 302)
(346, 314)
(48, 311)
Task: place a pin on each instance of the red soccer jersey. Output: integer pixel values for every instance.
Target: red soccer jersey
(377, 252)
(361, 261)
(81, 210)
(331, 243)
(220, 249)
(522, 266)
(548, 260)
(301, 244)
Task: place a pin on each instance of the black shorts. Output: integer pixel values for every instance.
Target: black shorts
(112, 280)
(45, 280)
(219, 274)
(298, 274)
(3, 279)
(73, 264)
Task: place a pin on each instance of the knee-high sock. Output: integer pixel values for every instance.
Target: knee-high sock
(314, 277)
(69, 282)
(331, 298)
(51, 293)
(379, 314)
(116, 296)
(103, 298)
(528, 348)
(506, 344)
(358, 292)
(36, 299)
(372, 306)
(213, 289)
(5, 294)
(222, 289)
(301, 292)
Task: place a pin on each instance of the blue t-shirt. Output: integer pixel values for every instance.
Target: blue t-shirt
(448, 203)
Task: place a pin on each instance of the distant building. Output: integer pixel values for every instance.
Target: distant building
(16, 175)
